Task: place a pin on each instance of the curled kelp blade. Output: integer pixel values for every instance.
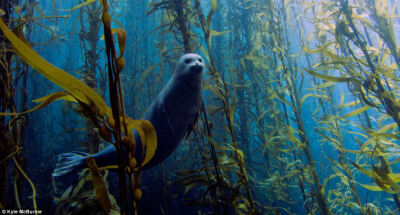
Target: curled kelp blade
(147, 135)
(44, 101)
(76, 91)
(385, 181)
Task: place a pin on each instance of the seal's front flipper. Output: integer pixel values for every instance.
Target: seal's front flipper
(69, 162)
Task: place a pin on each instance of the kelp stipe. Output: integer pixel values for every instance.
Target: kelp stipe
(286, 79)
(13, 79)
(93, 106)
(123, 124)
(213, 180)
(228, 107)
(331, 132)
(370, 80)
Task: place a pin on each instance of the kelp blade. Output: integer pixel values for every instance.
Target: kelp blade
(80, 5)
(147, 135)
(78, 90)
(99, 187)
(44, 101)
(66, 81)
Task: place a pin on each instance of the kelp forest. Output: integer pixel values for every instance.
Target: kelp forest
(300, 109)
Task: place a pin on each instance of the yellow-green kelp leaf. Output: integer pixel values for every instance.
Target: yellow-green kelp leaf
(312, 95)
(357, 111)
(353, 103)
(290, 134)
(328, 179)
(80, 5)
(314, 51)
(363, 19)
(261, 116)
(289, 150)
(217, 33)
(147, 135)
(385, 181)
(68, 82)
(387, 127)
(331, 78)
(371, 187)
(205, 53)
(100, 189)
(328, 53)
(2, 12)
(113, 31)
(121, 36)
(394, 177)
(43, 102)
(79, 186)
(211, 13)
(146, 73)
(78, 91)
(391, 23)
(327, 84)
(66, 193)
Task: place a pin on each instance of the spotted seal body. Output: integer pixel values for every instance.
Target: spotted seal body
(172, 114)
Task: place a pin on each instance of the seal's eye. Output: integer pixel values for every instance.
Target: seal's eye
(188, 60)
(200, 60)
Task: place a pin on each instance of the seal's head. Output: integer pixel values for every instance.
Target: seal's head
(190, 65)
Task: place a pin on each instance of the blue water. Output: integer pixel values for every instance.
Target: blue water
(292, 128)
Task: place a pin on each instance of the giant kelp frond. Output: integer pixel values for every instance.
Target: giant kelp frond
(81, 5)
(358, 46)
(220, 88)
(94, 107)
(89, 195)
(300, 112)
(77, 91)
(280, 119)
(100, 189)
(33, 196)
(44, 101)
(68, 82)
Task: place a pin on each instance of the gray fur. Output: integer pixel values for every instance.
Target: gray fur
(172, 114)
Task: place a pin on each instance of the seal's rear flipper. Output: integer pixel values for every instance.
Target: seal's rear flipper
(69, 162)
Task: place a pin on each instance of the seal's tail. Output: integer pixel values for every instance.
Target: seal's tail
(69, 162)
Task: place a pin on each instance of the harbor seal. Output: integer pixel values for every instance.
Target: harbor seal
(172, 113)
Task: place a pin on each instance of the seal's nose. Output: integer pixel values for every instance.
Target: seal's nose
(197, 67)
